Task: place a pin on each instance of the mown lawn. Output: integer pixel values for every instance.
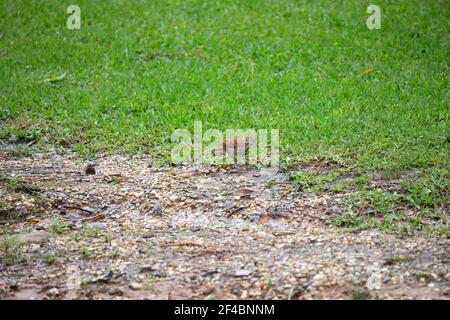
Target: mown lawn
(376, 100)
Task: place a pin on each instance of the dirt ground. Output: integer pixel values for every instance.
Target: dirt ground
(134, 230)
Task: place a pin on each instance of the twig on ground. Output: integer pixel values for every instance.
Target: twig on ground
(78, 208)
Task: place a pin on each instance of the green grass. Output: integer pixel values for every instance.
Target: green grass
(406, 212)
(11, 251)
(428, 190)
(49, 258)
(316, 181)
(395, 260)
(408, 204)
(13, 191)
(89, 232)
(57, 226)
(84, 252)
(15, 184)
(360, 293)
(137, 70)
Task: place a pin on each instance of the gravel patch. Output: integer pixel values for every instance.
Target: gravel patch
(135, 231)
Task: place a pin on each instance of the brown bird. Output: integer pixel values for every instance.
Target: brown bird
(236, 147)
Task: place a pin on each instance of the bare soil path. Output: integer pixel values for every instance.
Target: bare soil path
(132, 230)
